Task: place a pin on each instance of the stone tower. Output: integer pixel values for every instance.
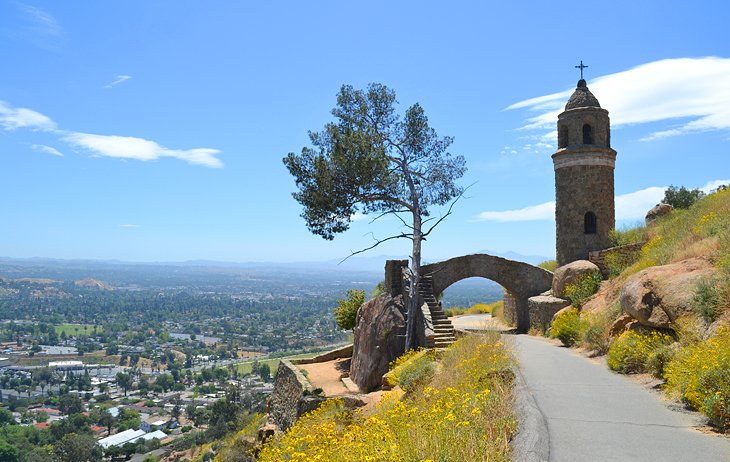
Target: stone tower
(584, 164)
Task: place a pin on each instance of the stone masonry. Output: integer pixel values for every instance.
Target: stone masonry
(584, 183)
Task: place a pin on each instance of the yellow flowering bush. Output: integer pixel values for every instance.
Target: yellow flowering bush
(566, 327)
(463, 414)
(700, 375)
(631, 351)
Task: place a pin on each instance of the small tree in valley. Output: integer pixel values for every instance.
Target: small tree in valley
(346, 311)
(373, 161)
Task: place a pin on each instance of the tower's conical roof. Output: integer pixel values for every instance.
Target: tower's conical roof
(582, 97)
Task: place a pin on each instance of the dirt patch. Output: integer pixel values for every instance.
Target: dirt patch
(327, 376)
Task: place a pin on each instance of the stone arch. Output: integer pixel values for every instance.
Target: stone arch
(521, 280)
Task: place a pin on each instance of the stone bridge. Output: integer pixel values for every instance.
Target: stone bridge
(521, 280)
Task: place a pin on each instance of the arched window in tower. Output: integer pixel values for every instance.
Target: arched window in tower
(587, 134)
(589, 223)
(563, 137)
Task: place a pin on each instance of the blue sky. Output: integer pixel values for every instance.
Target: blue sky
(154, 131)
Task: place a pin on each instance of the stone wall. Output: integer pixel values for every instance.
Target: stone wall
(291, 396)
(339, 353)
(622, 252)
(542, 309)
(394, 276)
(580, 189)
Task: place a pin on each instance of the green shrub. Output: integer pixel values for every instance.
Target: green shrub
(346, 311)
(630, 352)
(566, 327)
(682, 198)
(626, 235)
(617, 262)
(595, 329)
(700, 375)
(583, 288)
(417, 373)
(550, 265)
(706, 301)
(658, 359)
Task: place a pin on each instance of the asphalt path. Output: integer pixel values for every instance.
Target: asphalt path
(593, 414)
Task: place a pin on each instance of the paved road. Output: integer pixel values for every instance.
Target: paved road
(595, 415)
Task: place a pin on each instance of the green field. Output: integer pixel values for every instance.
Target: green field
(82, 330)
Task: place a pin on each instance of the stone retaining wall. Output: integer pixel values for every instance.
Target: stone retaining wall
(598, 257)
(339, 353)
(291, 396)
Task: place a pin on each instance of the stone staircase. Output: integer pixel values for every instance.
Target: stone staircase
(444, 334)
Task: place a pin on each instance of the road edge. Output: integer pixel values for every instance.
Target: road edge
(532, 442)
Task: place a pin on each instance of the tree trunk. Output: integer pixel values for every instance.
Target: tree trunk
(413, 306)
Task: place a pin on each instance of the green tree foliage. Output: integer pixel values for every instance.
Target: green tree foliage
(346, 311)
(373, 161)
(77, 448)
(70, 404)
(682, 198)
(265, 372)
(124, 381)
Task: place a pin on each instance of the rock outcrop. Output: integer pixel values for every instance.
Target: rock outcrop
(568, 274)
(379, 339)
(659, 295)
(657, 212)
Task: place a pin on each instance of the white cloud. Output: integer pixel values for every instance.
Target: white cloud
(47, 149)
(128, 147)
(117, 80)
(129, 225)
(545, 211)
(12, 118)
(712, 185)
(629, 206)
(634, 205)
(692, 92)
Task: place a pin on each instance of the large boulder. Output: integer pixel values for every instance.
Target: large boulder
(568, 274)
(659, 295)
(379, 339)
(657, 212)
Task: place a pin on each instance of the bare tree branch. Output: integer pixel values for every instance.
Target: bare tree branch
(380, 241)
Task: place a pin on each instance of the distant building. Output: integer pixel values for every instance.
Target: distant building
(66, 365)
(153, 424)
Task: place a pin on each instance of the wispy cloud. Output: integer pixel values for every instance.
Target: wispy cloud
(129, 225)
(544, 211)
(117, 80)
(125, 147)
(629, 206)
(692, 93)
(128, 147)
(39, 27)
(12, 118)
(47, 149)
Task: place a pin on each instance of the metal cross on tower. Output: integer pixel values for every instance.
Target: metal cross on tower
(581, 67)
